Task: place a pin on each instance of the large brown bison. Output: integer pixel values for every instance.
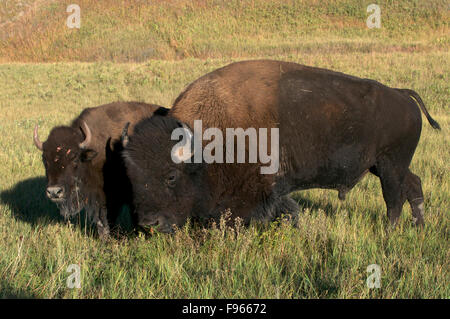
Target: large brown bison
(333, 129)
(83, 161)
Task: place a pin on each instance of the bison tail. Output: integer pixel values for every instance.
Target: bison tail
(416, 97)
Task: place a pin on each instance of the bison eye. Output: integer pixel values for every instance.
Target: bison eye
(171, 179)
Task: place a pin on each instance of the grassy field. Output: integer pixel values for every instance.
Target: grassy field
(150, 53)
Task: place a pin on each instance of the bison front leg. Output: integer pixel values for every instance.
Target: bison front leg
(288, 206)
(101, 221)
(283, 206)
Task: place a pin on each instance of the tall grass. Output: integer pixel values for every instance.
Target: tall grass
(135, 31)
(326, 256)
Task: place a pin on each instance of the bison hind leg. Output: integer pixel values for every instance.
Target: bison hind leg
(413, 189)
(391, 177)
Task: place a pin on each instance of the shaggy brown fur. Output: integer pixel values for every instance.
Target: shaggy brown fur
(334, 128)
(92, 176)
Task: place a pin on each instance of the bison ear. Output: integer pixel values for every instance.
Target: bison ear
(88, 155)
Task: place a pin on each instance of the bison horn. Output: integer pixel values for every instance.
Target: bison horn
(36, 140)
(124, 138)
(87, 133)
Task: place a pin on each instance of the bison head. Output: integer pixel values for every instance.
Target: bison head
(165, 193)
(66, 154)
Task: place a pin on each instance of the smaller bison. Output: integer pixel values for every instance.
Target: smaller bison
(83, 162)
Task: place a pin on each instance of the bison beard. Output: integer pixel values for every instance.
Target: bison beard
(76, 201)
(334, 128)
(73, 204)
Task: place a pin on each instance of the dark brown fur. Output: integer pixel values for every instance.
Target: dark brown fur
(93, 178)
(334, 128)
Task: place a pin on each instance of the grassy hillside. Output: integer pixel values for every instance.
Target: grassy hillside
(135, 31)
(326, 256)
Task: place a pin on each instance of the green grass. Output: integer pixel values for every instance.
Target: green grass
(325, 257)
(134, 31)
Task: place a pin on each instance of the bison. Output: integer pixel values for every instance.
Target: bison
(333, 128)
(83, 162)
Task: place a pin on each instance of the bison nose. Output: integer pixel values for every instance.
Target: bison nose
(55, 192)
